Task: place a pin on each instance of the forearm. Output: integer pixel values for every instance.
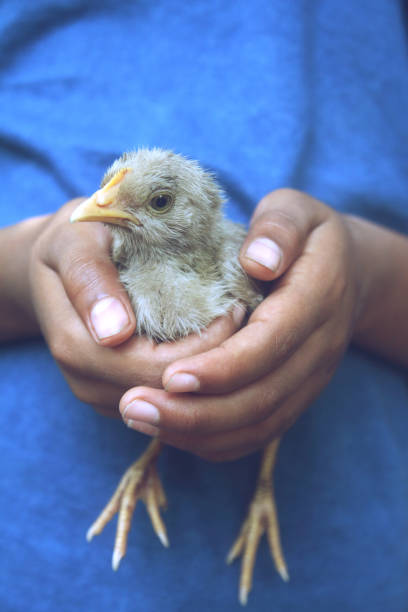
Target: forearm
(383, 259)
(17, 318)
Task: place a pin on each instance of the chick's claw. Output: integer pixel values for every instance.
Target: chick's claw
(262, 518)
(154, 497)
(140, 481)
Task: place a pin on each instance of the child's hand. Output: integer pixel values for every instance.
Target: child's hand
(253, 386)
(84, 311)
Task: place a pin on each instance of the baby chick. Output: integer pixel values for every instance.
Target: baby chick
(177, 256)
(176, 253)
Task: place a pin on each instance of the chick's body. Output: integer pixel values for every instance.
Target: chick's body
(180, 266)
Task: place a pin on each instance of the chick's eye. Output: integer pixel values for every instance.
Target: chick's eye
(160, 203)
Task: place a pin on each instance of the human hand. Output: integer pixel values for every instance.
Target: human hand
(87, 320)
(233, 399)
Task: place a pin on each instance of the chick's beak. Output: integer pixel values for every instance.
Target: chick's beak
(101, 206)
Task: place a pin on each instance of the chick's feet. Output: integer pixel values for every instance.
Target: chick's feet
(261, 518)
(140, 481)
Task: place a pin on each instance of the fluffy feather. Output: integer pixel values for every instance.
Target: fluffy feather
(180, 266)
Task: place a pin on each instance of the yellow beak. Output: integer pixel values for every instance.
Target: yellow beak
(101, 205)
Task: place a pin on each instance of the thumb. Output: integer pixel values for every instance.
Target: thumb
(279, 228)
(80, 255)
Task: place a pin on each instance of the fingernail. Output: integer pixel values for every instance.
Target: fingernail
(139, 410)
(182, 383)
(265, 252)
(108, 317)
(238, 314)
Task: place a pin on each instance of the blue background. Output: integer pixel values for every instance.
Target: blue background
(312, 95)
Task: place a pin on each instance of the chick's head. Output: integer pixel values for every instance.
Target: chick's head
(156, 199)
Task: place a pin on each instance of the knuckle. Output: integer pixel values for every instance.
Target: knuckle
(179, 419)
(156, 369)
(265, 403)
(61, 349)
(282, 226)
(82, 393)
(81, 277)
(334, 296)
(140, 374)
(190, 417)
(337, 291)
(86, 394)
(226, 368)
(38, 249)
(193, 423)
(65, 347)
(281, 196)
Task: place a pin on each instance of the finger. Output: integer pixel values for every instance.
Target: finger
(275, 330)
(237, 443)
(279, 228)
(247, 440)
(104, 397)
(87, 365)
(110, 413)
(141, 359)
(192, 414)
(298, 305)
(80, 254)
(71, 346)
(78, 356)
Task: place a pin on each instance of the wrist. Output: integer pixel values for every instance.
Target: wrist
(381, 257)
(17, 317)
(365, 283)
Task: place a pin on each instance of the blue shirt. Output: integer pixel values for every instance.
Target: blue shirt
(267, 94)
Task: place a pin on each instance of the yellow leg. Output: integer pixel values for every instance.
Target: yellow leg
(262, 517)
(140, 481)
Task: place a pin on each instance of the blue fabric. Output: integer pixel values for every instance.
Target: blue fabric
(308, 94)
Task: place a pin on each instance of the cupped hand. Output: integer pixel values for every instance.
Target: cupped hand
(231, 400)
(87, 320)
